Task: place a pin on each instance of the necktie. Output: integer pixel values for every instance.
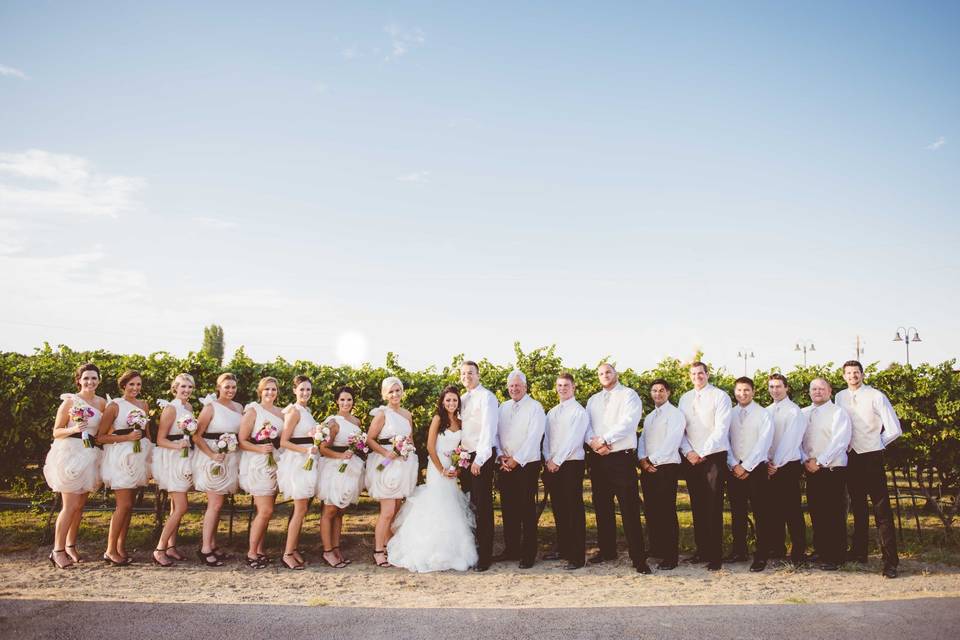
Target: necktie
(606, 399)
(743, 415)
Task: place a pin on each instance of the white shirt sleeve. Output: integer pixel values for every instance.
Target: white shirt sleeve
(501, 418)
(490, 415)
(842, 432)
(530, 451)
(791, 440)
(589, 434)
(718, 438)
(629, 418)
(676, 428)
(574, 439)
(761, 448)
(891, 423)
(641, 446)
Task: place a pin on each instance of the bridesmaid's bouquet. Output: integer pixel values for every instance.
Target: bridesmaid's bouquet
(268, 433)
(403, 445)
(80, 413)
(137, 419)
(227, 442)
(358, 444)
(459, 459)
(319, 435)
(188, 424)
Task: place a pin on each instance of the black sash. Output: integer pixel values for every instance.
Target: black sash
(212, 435)
(385, 441)
(338, 449)
(123, 432)
(92, 439)
(302, 440)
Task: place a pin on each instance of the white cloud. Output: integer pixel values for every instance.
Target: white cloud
(402, 40)
(419, 177)
(217, 224)
(936, 144)
(40, 182)
(12, 73)
(350, 53)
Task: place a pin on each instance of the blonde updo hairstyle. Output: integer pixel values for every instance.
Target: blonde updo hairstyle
(223, 377)
(263, 385)
(387, 384)
(181, 377)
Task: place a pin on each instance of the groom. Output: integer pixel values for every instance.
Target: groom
(479, 411)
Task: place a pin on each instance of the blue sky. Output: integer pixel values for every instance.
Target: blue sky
(632, 179)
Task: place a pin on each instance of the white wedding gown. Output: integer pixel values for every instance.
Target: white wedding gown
(434, 529)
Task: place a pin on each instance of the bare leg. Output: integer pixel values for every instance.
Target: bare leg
(72, 502)
(73, 529)
(118, 523)
(293, 531)
(178, 507)
(381, 535)
(211, 518)
(258, 528)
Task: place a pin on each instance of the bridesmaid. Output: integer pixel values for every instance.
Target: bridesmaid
(171, 470)
(125, 465)
(258, 467)
(336, 489)
(215, 472)
(71, 467)
(398, 477)
(295, 482)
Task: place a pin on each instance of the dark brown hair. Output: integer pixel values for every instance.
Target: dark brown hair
(127, 376)
(853, 363)
(744, 380)
(89, 366)
(566, 375)
(661, 381)
(694, 365)
(442, 411)
(297, 380)
(779, 376)
(471, 363)
(344, 389)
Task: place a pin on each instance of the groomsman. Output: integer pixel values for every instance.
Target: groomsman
(704, 445)
(520, 430)
(566, 430)
(659, 452)
(875, 426)
(825, 462)
(479, 412)
(612, 435)
(751, 432)
(784, 469)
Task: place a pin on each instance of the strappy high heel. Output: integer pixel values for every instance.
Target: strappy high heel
(205, 558)
(296, 565)
(53, 559)
(76, 558)
(255, 563)
(177, 555)
(340, 564)
(163, 552)
(340, 555)
(381, 552)
(116, 563)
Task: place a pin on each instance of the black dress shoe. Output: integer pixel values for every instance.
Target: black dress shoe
(598, 559)
(553, 555)
(890, 571)
(667, 566)
(798, 563)
(828, 566)
(736, 557)
(481, 567)
(694, 559)
(758, 565)
(524, 564)
(714, 566)
(813, 557)
(643, 567)
(572, 566)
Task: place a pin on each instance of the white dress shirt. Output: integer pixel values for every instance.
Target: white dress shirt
(567, 425)
(614, 416)
(708, 421)
(520, 429)
(875, 423)
(751, 432)
(663, 430)
(789, 425)
(827, 436)
(479, 412)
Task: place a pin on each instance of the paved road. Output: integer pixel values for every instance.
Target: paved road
(935, 618)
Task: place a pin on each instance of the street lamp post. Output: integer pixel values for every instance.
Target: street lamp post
(745, 353)
(805, 345)
(903, 335)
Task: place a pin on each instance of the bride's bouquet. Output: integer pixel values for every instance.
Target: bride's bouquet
(268, 433)
(358, 445)
(320, 435)
(137, 419)
(188, 425)
(226, 443)
(459, 459)
(403, 445)
(80, 413)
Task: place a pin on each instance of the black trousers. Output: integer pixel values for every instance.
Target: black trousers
(566, 497)
(750, 494)
(480, 489)
(705, 484)
(828, 513)
(615, 476)
(660, 507)
(786, 512)
(518, 501)
(867, 476)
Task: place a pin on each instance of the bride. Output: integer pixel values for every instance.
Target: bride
(434, 529)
